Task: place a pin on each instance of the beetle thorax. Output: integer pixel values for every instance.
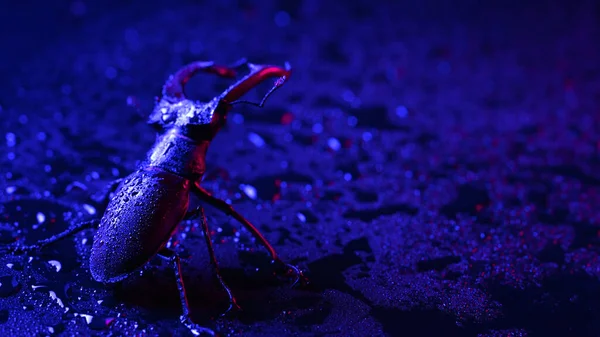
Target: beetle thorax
(179, 154)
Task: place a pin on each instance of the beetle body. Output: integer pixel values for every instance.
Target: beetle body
(138, 221)
(147, 207)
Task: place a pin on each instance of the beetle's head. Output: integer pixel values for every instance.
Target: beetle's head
(202, 120)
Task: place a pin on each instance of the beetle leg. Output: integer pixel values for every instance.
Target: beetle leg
(185, 319)
(199, 211)
(73, 228)
(213, 259)
(228, 209)
(192, 214)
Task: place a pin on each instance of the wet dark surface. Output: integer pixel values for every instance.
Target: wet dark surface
(432, 167)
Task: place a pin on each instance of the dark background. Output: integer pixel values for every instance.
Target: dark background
(432, 165)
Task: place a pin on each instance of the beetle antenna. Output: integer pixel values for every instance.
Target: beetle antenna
(258, 74)
(276, 86)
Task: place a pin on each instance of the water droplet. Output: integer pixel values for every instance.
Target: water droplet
(249, 190)
(401, 111)
(237, 118)
(10, 189)
(256, 139)
(40, 217)
(11, 139)
(334, 144)
(88, 318)
(89, 208)
(301, 217)
(352, 121)
(348, 96)
(317, 128)
(55, 298)
(98, 323)
(56, 264)
(57, 328)
(9, 286)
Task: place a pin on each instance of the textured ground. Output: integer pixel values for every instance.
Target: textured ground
(433, 167)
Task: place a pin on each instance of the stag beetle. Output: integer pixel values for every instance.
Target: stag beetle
(144, 209)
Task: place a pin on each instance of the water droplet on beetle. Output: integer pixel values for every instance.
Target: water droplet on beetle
(97, 323)
(88, 318)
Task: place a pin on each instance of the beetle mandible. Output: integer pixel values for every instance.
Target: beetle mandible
(145, 208)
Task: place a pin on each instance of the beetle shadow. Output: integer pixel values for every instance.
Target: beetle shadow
(156, 295)
(261, 295)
